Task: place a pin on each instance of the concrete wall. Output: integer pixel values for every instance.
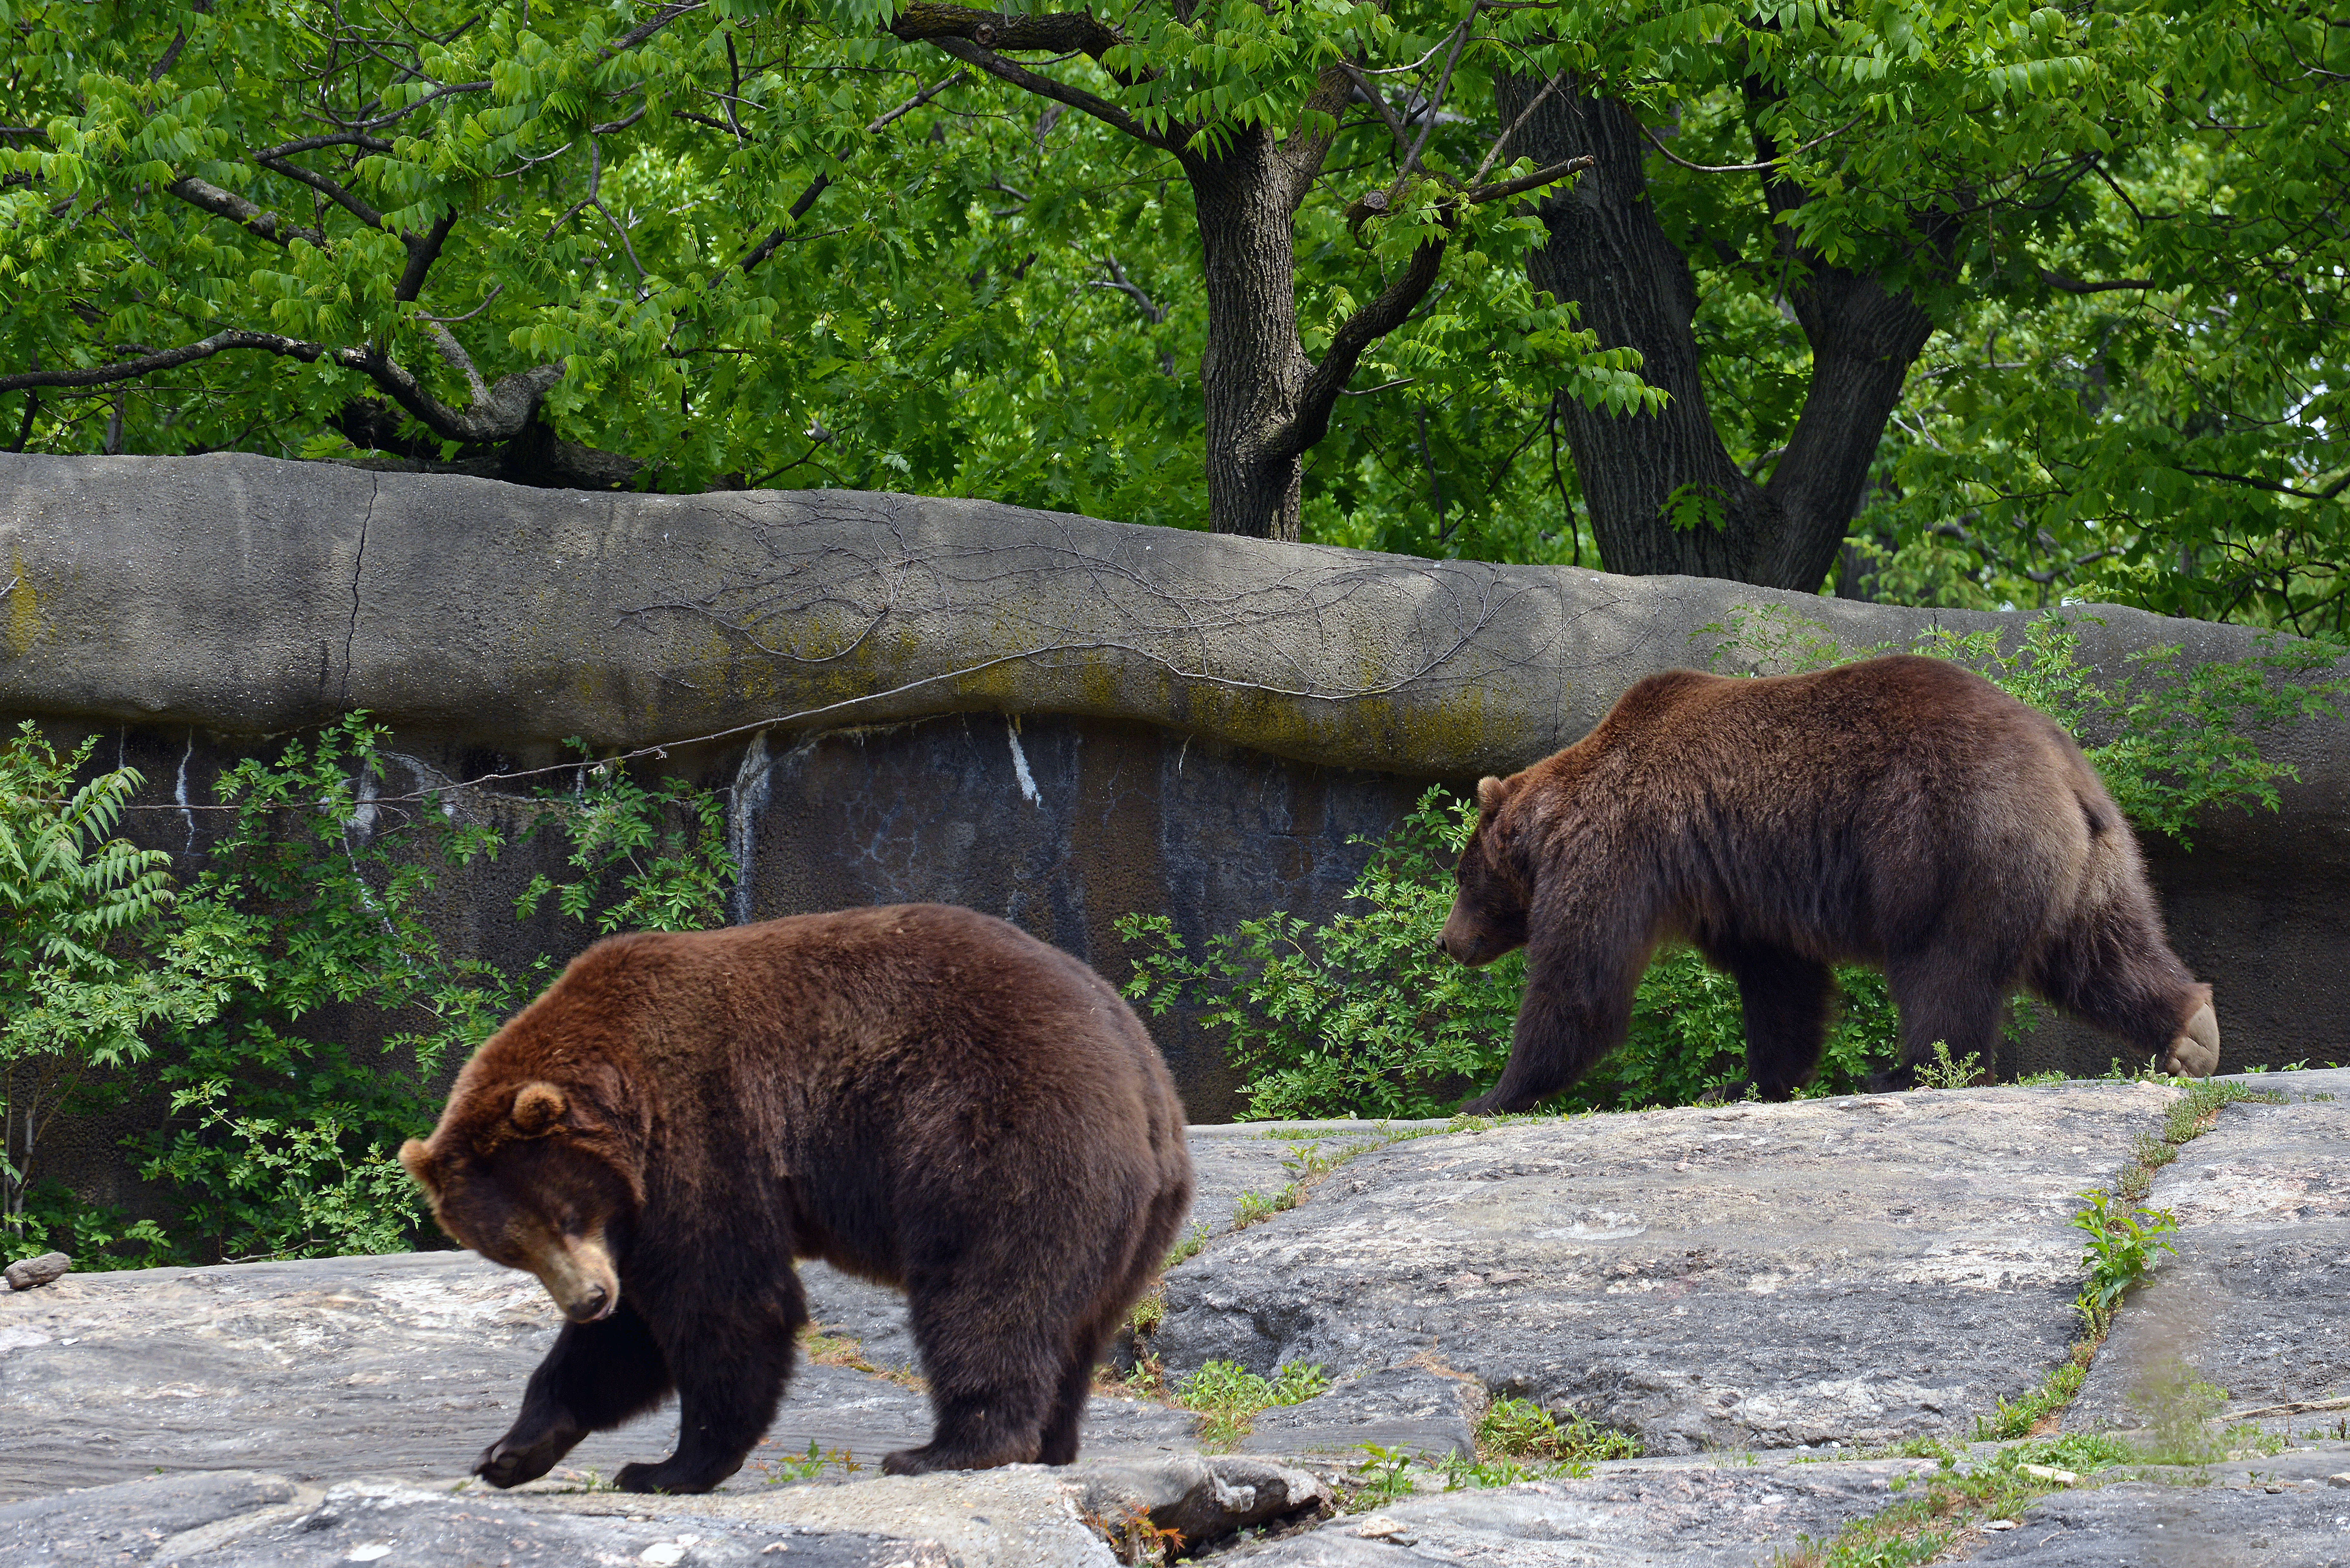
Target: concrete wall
(1053, 718)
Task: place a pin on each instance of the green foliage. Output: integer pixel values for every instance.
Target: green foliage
(295, 1002)
(75, 907)
(1230, 1397)
(2178, 1409)
(1520, 1429)
(1365, 1015)
(2121, 1251)
(1255, 1207)
(2015, 1419)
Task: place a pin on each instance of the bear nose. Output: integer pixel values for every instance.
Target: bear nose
(590, 1304)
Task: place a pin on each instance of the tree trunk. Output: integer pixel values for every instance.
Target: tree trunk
(1253, 368)
(1663, 492)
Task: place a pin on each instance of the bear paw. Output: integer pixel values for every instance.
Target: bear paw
(2195, 1053)
(671, 1476)
(511, 1461)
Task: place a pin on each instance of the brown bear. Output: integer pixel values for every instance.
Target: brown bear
(921, 1096)
(1901, 811)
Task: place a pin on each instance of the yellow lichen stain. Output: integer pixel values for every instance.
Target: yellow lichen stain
(24, 609)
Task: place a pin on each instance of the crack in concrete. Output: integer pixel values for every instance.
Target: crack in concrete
(359, 564)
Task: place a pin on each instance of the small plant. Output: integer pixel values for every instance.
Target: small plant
(1189, 1245)
(1231, 1397)
(1516, 1428)
(1255, 1207)
(1382, 1476)
(810, 1464)
(2084, 1453)
(1145, 1316)
(2121, 1251)
(1942, 1073)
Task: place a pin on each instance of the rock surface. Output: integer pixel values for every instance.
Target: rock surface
(2254, 1302)
(1705, 1515)
(1853, 1271)
(2292, 1510)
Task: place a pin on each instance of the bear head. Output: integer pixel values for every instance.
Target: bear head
(1495, 881)
(525, 1175)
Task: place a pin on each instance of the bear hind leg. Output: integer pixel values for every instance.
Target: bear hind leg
(599, 1375)
(1949, 1002)
(1785, 997)
(2113, 969)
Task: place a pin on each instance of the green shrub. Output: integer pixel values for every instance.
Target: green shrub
(313, 914)
(1365, 1015)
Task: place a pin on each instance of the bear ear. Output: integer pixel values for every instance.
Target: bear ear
(1490, 793)
(421, 1166)
(536, 1107)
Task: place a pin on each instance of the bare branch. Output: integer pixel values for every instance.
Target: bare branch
(1374, 321)
(237, 210)
(423, 252)
(1764, 166)
(1525, 182)
(342, 197)
(165, 360)
(976, 54)
(452, 320)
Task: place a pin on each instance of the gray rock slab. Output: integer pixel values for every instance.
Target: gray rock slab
(404, 1365)
(1635, 1515)
(2254, 1302)
(1854, 1271)
(2289, 1511)
(1408, 1408)
(242, 1520)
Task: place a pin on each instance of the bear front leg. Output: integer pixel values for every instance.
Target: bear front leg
(598, 1375)
(1578, 1008)
(733, 1359)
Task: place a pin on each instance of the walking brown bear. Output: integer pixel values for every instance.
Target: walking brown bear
(921, 1096)
(1902, 811)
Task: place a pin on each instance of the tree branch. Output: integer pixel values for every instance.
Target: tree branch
(1357, 333)
(2074, 285)
(799, 208)
(421, 253)
(1502, 189)
(334, 192)
(2328, 493)
(237, 210)
(503, 414)
(972, 53)
(1054, 33)
(1762, 167)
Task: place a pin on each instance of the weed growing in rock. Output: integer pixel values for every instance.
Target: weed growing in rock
(2018, 1418)
(1942, 1073)
(1189, 1245)
(1363, 1015)
(1382, 1476)
(1520, 1429)
(1231, 1397)
(808, 1466)
(2121, 1251)
(1255, 1207)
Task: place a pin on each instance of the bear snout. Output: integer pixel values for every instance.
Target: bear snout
(593, 1304)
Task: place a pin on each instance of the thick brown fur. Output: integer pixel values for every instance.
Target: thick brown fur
(1902, 812)
(918, 1095)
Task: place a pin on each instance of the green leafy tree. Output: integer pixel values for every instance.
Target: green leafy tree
(1793, 202)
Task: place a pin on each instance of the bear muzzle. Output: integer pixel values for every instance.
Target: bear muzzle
(581, 1278)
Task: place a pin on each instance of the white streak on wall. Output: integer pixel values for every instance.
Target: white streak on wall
(754, 781)
(1020, 765)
